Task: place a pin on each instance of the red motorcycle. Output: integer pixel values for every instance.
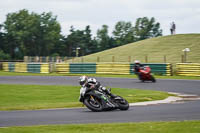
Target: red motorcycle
(145, 74)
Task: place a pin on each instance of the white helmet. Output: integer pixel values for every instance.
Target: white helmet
(83, 80)
(92, 80)
(137, 62)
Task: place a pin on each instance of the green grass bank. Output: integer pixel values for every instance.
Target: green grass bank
(141, 127)
(152, 50)
(31, 97)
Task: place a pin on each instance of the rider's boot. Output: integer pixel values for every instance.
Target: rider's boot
(107, 91)
(110, 94)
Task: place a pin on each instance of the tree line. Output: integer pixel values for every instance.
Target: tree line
(27, 33)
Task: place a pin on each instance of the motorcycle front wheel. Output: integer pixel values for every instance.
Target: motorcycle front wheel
(122, 103)
(153, 79)
(93, 104)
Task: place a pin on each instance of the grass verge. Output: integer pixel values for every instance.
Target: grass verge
(2, 73)
(143, 127)
(30, 97)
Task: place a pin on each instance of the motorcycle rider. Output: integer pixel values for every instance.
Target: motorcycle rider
(137, 67)
(92, 83)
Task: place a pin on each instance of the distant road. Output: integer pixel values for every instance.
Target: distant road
(170, 85)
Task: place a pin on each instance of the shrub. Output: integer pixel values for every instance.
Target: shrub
(4, 56)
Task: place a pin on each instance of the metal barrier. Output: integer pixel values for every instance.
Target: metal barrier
(26, 67)
(110, 68)
(5, 66)
(184, 69)
(21, 67)
(188, 69)
(82, 68)
(113, 68)
(62, 68)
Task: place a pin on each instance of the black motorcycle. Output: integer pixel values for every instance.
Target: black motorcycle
(97, 101)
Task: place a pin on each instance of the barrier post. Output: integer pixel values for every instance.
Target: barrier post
(40, 59)
(182, 58)
(47, 59)
(113, 58)
(165, 59)
(98, 59)
(185, 56)
(129, 59)
(57, 59)
(82, 59)
(25, 58)
(65, 58)
(146, 59)
(36, 59)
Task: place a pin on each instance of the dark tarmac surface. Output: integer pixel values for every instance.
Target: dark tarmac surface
(189, 110)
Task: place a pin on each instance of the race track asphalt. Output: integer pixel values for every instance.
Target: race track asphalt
(189, 110)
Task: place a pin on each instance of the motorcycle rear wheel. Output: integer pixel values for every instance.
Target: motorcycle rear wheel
(93, 104)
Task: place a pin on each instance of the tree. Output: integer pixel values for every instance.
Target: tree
(31, 34)
(147, 28)
(59, 48)
(79, 39)
(1, 38)
(103, 39)
(74, 40)
(123, 33)
(50, 33)
(4, 56)
(89, 45)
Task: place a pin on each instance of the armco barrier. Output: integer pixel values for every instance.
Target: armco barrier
(188, 69)
(20, 67)
(159, 69)
(33, 68)
(11, 67)
(62, 68)
(76, 68)
(8, 67)
(113, 68)
(26, 67)
(45, 68)
(82, 68)
(99, 68)
(5, 66)
(109, 68)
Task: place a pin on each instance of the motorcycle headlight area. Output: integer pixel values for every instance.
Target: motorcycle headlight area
(82, 91)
